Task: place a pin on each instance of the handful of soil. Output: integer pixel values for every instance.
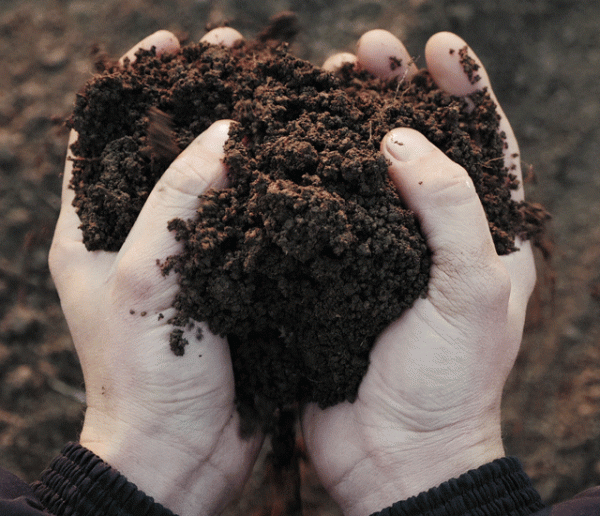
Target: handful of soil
(309, 253)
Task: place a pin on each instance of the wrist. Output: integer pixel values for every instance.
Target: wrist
(416, 463)
(77, 481)
(495, 489)
(181, 480)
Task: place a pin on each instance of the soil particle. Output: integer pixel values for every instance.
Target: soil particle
(309, 253)
(395, 63)
(469, 65)
(178, 342)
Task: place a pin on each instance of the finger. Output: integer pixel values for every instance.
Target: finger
(225, 36)
(69, 261)
(521, 267)
(197, 169)
(453, 65)
(441, 194)
(336, 61)
(457, 70)
(163, 40)
(68, 221)
(384, 55)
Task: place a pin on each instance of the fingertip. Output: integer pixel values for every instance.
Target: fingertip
(225, 36)
(404, 144)
(428, 181)
(410, 156)
(453, 65)
(383, 54)
(196, 170)
(163, 41)
(401, 146)
(199, 167)
(336, 61)
(214, 138)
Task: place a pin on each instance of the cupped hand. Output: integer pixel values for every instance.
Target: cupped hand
(428, 408)
(168, 423)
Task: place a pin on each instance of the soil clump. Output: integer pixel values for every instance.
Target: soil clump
(309, 253)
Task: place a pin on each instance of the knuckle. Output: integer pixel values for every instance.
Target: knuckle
(501, 283)
(191, 174)
(457, 188)
(55, 257)
(480, 285)
(492, 285)
(131, 279)
(59, 258)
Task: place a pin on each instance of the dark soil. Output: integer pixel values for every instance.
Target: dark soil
(310, 240)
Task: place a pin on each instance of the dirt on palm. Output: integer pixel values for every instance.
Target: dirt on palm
(310, 239)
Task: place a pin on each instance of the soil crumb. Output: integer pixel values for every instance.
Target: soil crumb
(309, 253)
(469, 65)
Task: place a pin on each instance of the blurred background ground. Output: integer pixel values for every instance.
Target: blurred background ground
(543, 57)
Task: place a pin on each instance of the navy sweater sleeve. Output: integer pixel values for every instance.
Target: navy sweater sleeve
(500, 488)
(78, 483)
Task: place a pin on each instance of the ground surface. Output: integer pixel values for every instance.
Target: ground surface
(544, 59)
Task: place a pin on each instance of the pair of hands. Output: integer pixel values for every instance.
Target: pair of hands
(428, 408)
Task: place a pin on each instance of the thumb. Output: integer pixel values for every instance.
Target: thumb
(441, 194)
(197, 169)
(468, 280)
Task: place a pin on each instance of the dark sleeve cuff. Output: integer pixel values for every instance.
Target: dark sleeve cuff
(499, 488)
(78, 482)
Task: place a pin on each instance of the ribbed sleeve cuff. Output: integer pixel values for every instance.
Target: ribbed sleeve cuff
(499, 488)
(78, 482)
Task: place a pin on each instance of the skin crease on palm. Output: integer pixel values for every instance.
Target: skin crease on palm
(429, 407)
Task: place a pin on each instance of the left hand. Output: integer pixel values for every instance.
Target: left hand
(168, 423)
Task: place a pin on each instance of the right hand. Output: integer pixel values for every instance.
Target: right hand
(428, 408)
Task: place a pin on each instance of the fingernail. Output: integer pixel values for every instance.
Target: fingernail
(397, 149)
(224, 36)
(406, 144)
